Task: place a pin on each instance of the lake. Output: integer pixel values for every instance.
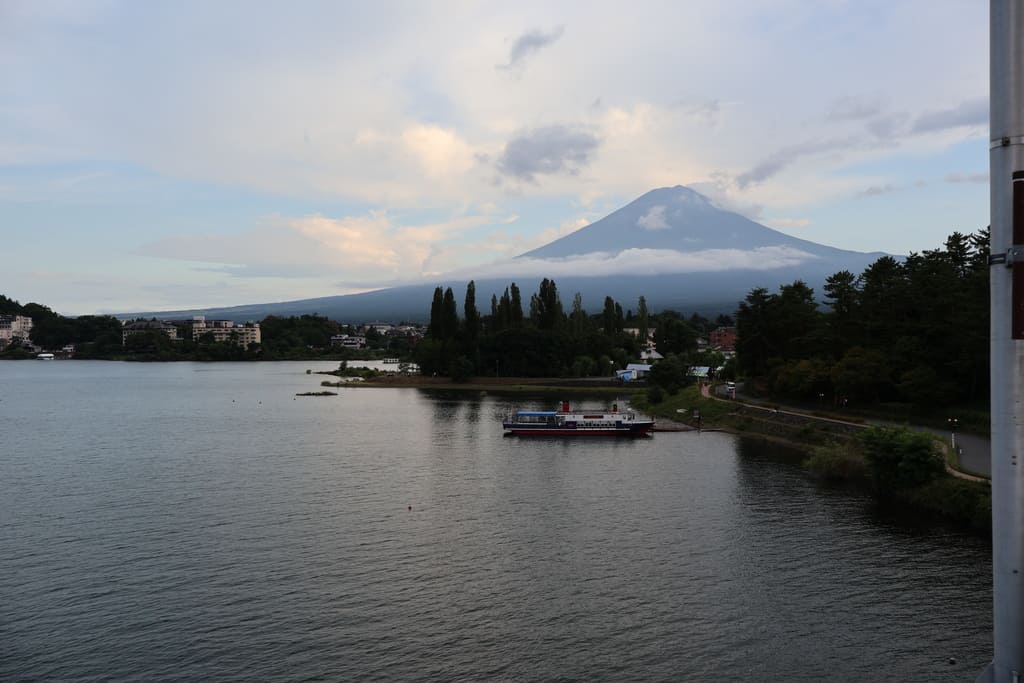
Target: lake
(185, 521)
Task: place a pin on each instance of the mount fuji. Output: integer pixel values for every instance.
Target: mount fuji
(672, 246)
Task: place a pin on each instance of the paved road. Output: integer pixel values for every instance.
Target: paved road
(975, 451)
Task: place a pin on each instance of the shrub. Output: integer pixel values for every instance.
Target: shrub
(900, 459)
(837, 461)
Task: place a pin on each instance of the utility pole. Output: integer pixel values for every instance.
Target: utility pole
(1006, 163)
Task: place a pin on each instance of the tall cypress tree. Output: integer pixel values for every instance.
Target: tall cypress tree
(434, 329)
(471, 317)
(516, 307)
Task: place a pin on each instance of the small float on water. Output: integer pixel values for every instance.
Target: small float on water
(568, 422)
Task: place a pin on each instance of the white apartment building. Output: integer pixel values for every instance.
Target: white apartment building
(242, 334)
(14, 327)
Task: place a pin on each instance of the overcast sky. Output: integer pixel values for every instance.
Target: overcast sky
(161, 155)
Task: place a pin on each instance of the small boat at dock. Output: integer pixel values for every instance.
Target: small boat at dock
(568, 422)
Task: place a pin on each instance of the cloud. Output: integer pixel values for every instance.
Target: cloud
(876, 190)
(787, 156)
(654, 219)
(648, 261)
(717, 189)
(966, 177)
(706, 111)
(788, 222)
(370, 248)
(968, 113)
(439, 151)
(853, 107)
(887, 127)
(530, 43)
(550, 150)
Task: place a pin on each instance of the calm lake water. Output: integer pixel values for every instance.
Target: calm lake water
(183, 521)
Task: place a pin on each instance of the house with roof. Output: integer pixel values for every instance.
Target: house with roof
(633, 372)
(723, 339)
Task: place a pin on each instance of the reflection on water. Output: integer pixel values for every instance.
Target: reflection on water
(197, 521)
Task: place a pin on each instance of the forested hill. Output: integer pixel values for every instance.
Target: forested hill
(911, 333)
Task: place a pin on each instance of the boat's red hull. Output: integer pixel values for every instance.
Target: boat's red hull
(639, 431)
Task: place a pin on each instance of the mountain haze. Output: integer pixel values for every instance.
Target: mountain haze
(671, 246)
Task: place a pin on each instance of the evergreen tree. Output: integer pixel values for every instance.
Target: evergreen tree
(642, 321)
(546, 307)
(578, 318)
(434, 329)
(842, 323)
(471, 319)
(608, 317)
(449, 316)
(515, 307)
(755, 338)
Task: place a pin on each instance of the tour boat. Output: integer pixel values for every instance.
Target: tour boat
(567, 422)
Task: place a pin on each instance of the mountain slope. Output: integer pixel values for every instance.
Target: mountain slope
(676, 218)
(672, 246)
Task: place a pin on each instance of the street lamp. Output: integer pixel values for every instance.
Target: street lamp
(953, 423)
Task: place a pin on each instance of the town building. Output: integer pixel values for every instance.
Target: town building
(14, 327)
(242, 334)
(348, 341)
(133, 327)
(723, 339)
(633, 372)
(379, 327)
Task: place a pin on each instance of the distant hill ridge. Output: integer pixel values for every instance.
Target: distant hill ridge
(672, 246)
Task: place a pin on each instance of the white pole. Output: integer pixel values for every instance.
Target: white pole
(1006, 158)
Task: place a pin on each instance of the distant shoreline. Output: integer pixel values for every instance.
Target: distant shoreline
(506, 384)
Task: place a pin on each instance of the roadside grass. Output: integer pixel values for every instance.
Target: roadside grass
(680, 407)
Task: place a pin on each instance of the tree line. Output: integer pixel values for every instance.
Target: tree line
(912, 333)
(541, 339)
(283, 338)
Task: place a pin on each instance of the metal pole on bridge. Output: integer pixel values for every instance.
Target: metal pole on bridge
(1006, 163)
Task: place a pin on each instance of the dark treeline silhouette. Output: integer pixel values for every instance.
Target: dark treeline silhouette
(547, 341)
(912, 332)
(283, 338)
(96, 336)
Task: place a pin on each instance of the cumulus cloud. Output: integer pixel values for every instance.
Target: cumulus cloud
(968, 113)
(653, 219)
(649, 261)
(557, 149)
(371, 248)
(530, 43)
(718, 188)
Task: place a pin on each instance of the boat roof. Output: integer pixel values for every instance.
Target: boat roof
(536, 412)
